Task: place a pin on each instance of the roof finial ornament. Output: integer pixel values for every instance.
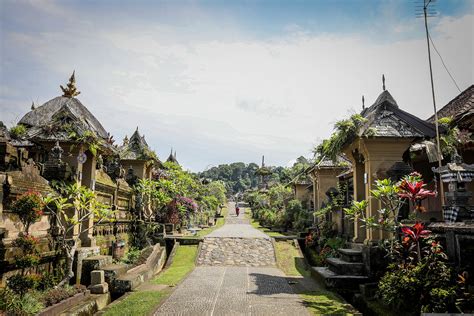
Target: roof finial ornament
(363, 102)
(383, 82)
(70, 91)
(33, 105)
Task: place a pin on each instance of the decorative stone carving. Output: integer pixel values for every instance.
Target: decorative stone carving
(54, 167)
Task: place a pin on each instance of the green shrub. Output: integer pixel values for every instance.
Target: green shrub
(293, 209)
(303, 221)
(441, 300)
(21, 284)
(131, 256)
(424, 286)
(14, 304)
(334, 243)
(49, 280)
(54, 296)
(18, 131)
(399, 288)
(26, 261)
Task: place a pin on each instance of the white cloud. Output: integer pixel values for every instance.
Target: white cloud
(277, 97)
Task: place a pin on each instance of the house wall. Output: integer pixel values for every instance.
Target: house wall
(379, 154)
(303, 194)
(138, 167)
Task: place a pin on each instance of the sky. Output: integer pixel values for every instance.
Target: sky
(226, 81)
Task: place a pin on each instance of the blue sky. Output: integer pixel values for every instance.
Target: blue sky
(224, 81)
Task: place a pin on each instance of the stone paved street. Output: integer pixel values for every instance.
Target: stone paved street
(227, 282)
(237, 227)
(233, 291)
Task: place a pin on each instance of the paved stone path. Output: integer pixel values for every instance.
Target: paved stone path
(253, 252)
(228, 284)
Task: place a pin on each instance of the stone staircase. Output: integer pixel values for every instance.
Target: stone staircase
(121, 277)
(234, 251)
(345, 273)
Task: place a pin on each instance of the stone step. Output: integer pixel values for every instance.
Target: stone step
(93, 263)
(350, 255)
(114, 271)
(135, 276)
(234, 251)
(342, 267)
(335, 281)
(355, 245)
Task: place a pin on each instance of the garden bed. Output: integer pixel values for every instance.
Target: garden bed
(58, 308)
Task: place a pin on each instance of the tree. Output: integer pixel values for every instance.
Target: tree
(75, 211)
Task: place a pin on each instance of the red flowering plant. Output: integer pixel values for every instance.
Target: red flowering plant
(29, 208)
(412, 188)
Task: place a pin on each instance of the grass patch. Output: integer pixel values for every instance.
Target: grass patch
(318, 302)
(137, 303)
(325, 303)
(183, 263)
(144, 302)
(289, 259)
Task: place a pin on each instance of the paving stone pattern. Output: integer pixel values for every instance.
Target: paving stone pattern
(255, 252)
(237, 243)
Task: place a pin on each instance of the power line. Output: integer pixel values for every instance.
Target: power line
(444, 65)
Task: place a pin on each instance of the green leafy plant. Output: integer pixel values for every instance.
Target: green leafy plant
(424, 285)
(88, 137)
(14, 304)
(22, 283)
(345, 131)
(131, 256)
(392, 196)
(453, 138)
(18, 131)
(76, 207)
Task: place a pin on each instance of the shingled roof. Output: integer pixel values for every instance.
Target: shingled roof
(326, 162)
(386, 119)
(459, 108)
(172, 157)
(136, 148)
(48, 121)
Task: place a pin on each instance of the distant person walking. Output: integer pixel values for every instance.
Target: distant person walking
(237, 210)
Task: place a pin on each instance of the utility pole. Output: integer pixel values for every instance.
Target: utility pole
(426, 3)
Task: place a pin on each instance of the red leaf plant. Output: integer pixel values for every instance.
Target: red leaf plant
(414, 234)
(412, 188)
